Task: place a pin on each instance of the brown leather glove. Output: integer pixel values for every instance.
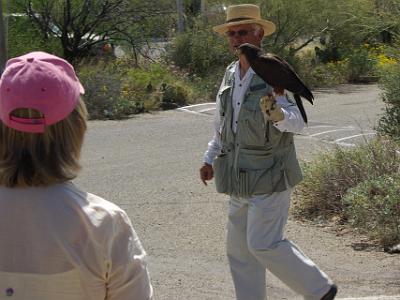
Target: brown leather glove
(271, 110)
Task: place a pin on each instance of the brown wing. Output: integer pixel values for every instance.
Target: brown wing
(278, 73)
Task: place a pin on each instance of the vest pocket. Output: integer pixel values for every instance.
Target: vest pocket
(259, 173)
(244, 184)
(252, 126)
(269, 181)
(222, 174)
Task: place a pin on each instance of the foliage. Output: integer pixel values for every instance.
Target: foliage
(84, 26)
(373, 206)
(332, 174)
(325, 46)
(386, 56)
(206, 88)
(389, 123)
(199, 51)
(335, 34)
(298, 24)
(23, 37)
(3, 42)
(117, 89)
(203, 55)
(383, 23)
(359, 187)
(316, 74)
(360, 64)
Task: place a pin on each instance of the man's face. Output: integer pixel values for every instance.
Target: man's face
(244, 33)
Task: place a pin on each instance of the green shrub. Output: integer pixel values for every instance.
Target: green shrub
(389, 123)
(24, 37)
(361, 64)
(373, 207)
(205, 88)
(318, 74)
(200, 51)
(328, 178)
(172, 95)
(341, 65)
(117, 89)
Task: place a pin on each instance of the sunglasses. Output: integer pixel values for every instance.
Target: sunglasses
(241, 32)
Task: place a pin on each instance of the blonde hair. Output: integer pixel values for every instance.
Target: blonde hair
(31, 159)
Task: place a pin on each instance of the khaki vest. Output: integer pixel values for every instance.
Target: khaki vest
(258, 157)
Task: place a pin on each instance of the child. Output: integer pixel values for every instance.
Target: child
(56, 241)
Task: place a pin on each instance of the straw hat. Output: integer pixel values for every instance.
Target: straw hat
(244, 14)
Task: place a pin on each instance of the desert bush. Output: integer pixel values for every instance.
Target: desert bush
(328, 178)
(373, 206)
(171, 96)
(117, 89)
(203, 55)
(105, 96)
(200, 51)
(317, 74)
(385, 56)
(389, 123)
(361, 65)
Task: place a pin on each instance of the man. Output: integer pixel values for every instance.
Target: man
(253, 159)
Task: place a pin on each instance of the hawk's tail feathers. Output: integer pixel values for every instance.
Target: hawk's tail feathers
(301, 107)
(307, 94)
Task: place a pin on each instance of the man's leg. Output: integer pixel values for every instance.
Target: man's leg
(267, 218)
(248, 274)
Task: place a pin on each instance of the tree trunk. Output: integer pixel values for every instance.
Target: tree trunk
(3, 41)
(181, 26)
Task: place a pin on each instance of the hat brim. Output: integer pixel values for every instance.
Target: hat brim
(268, 26)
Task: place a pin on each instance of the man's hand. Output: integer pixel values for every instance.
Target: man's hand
(206, 173)
(271, 110)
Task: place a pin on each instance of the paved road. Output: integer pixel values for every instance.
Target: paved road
(149, 166)
(344, 116)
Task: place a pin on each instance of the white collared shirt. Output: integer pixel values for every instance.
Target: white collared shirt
(292, 122)
(240, 88)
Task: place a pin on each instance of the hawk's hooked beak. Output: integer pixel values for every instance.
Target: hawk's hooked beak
(238, 51)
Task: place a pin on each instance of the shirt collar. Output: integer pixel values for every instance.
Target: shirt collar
(235, 68)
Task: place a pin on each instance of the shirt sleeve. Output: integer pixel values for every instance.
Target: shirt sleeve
(293, 121)
(214, 146)
(127, 276)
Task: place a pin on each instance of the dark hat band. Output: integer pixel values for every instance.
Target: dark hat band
(240, 19)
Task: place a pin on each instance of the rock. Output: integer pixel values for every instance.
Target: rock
(393, 249)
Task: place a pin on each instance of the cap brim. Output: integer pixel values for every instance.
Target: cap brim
(268, 26)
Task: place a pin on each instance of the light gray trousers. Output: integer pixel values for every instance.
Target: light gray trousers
(255, 242)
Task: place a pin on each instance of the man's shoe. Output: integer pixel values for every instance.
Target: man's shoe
(330, 295)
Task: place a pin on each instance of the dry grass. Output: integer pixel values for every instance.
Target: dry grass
(333, 176)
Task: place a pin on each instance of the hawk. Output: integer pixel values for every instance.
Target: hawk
(277, 73)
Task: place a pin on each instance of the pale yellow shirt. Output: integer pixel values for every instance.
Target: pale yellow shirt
(59, 243)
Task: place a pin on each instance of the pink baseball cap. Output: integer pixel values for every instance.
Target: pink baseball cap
(40, 81)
